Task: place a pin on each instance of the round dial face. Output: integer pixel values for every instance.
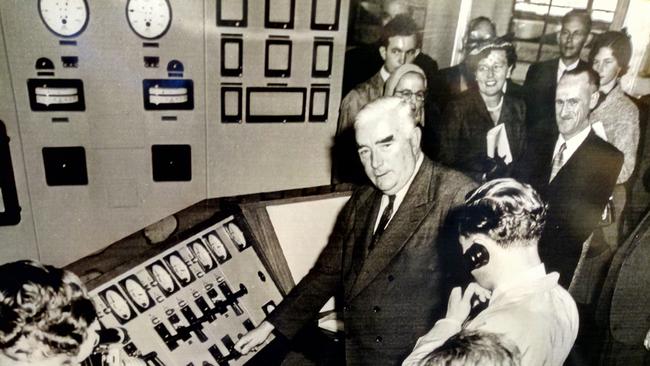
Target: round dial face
(150, 19)
(65, 18)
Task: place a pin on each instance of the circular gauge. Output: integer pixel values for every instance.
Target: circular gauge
(203, 255)
(180, 269)
(118, 304)
(218, 247)
(137, 293)
(149, 19)
(65, 18)
(237, 235)
(163, 277)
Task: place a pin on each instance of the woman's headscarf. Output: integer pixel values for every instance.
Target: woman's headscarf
(396, 76)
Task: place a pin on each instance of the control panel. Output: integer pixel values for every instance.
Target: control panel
(190, 303)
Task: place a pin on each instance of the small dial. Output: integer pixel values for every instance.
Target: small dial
(149, 19)
(65, 18)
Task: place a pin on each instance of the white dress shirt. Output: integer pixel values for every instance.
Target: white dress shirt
(572, 144)
(533, 311)
(399, 196)
(562, 68)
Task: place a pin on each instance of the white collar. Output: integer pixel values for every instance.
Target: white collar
(562, 67)
(399, 196)
(525, 277)
(572, 144)
(384, 73)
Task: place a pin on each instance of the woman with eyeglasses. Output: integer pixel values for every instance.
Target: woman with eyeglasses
(483, 129)
(409, 82)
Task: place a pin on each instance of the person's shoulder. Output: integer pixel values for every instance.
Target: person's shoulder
(603, 146)
(449, 179)
(541, 68)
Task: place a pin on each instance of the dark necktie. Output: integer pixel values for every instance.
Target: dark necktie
(383, 222)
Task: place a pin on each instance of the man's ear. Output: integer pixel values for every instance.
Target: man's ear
(382, 52)
(417, 52)
(593, 100)
(509, 72)
(416, 137)
(590, 37)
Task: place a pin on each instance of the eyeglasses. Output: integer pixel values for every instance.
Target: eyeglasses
(498, 68)
(407, 94)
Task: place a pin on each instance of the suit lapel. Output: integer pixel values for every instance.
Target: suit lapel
(576, 161)
(403, 225)
(364, 230)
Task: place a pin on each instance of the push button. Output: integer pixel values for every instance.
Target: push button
(378, 339)
(376, 309)
(346, 308)
(391, 278)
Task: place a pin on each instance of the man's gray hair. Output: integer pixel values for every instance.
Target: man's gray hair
(388, 107)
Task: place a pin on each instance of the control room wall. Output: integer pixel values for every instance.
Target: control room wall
(61, 223)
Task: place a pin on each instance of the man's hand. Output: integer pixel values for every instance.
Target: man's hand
(254, 338)
(461, 304)
(646, 342)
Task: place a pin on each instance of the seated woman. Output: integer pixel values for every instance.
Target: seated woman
(409, 82)
(610, 58)
(483, 129)
(46, 316)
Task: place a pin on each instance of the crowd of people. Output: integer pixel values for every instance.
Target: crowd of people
(551, 157)
(482, 229)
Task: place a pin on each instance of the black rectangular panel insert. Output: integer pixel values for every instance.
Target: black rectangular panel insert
(232, 56)
(319, 100)
(46, 95)
(232, 13)
(274, 104)
(325, 14)
(279, 13)
(168, 94)
(277, 58)
(231, 104)
(171, 163)
(321, 64)
(65, 166)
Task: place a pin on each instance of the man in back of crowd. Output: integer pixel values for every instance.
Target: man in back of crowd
(500, 227)
(475, 348)
(542, 78)
(399, 45)
(363, 61)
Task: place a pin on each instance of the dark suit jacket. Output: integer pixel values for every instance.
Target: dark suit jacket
(396, 293)
(623, 302)
(466, 121)
(539, 90)
(576, 197)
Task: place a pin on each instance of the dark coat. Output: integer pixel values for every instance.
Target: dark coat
(466, 122)
(396, 293)
(576, 197)
(539, 90)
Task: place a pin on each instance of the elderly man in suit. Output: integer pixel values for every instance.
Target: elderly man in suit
(576, 174)
(385, 257)
(541, 78)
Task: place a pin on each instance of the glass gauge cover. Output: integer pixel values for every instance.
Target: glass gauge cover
(149, 19)
(65, 18)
